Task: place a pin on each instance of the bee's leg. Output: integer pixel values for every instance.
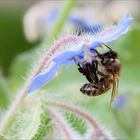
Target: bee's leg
(95, 65)
(98, 54)
(103, 56)
(80, 70)
(78, 61)
(79, 65)
(94, 69)
(91, 73)
(86, 70)
(100, 73)
(89, 79)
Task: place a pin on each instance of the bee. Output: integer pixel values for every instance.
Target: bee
(95, 89)
(102, 81)
(112, 67)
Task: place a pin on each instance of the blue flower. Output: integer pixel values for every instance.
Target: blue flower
(78, 55)
(65, 58)
(85, 25)
(43, 78)
(52, 15)
(113, 33)
(82, 25)
(120, 101)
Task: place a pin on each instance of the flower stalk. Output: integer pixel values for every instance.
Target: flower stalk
(45, 61)
(19, 101)
(61, 20)
(63, 17)
(96, 130)
(8, 119)
(57, 119)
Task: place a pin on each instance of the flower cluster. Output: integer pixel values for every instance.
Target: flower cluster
(81, 51)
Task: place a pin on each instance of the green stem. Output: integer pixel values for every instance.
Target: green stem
(12, 112)
(61, 21)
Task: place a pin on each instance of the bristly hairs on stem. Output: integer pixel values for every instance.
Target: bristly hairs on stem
(10, 115)
(4, 136)
(96, 130)
(44, 61)
(66, 130)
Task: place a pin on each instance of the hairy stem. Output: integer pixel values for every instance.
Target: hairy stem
(89, 119)
(4, 136)
(20, 97)
(45, 61)
(60, 123)
(11, 114)
(96, 130)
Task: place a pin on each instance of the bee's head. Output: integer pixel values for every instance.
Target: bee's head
(114, 54)
(114, 67)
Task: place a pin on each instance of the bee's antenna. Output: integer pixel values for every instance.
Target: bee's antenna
(96, 52)
(107, 47)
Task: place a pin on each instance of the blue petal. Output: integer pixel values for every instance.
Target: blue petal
(69, 62)
(85, 25)
(75, 20)
(67, 56)
(52, 16)
(118, 30)
(41, 79)
(94, 45)
(120, 101)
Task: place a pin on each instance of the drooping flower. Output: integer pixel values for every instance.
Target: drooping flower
(80, 24)
(84, 25)
(81, 52)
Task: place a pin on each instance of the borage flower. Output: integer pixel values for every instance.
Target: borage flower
(82, 25)
(81, 52)
(120, 101)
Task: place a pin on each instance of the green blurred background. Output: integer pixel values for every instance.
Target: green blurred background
(17, 55)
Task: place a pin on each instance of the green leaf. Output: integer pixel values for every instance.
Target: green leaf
(31, 123)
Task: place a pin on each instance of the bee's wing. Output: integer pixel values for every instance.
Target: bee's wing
(114, 89)
(117, 86)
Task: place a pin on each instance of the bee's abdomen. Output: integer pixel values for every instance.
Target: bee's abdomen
(90, 89)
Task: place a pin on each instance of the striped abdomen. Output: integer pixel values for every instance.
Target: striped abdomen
(91, 90)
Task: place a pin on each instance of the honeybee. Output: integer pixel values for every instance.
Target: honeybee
(112, 67)
(102, 81)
